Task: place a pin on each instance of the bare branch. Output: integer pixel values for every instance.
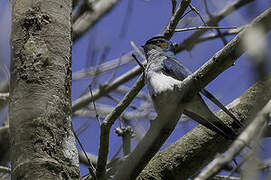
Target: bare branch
(137, 50)
(169, 31)
(197, 12)
(4, 96)
(109, 121)
(127, 17)
(127, 134)
(190, 42)
(94, 106)
(138, 62)
(89, 18)
(124, 89)
(214, 36)
(104, 110)
(187, 153)
(247, 135)
(203, 27)
(218, 31)
(225, 178)
(102, 68)
(105, 89)
(90, 157)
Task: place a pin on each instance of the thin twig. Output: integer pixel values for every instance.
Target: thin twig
(86, 99)
(91, 167)
(186, 14)
(204, 27)
(126, 133)
(190, 42)
(101, 60)
(214, 36)
(102, 68)
(97, 115)
(114, 72)
(82, 127)
(116, 153)
(127, 17)
(138, 51)
(217, 30)
(197, 12)
(138, 62)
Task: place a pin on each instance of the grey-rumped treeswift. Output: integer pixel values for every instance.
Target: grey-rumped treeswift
(164, 71)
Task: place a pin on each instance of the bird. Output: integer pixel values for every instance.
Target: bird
(164, 70)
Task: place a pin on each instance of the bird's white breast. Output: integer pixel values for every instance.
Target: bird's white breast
(159, 83)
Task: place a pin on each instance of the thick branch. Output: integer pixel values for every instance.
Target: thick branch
(245, 138)
(197, 148)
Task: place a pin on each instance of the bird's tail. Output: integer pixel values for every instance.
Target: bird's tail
(215, 126)
(212, 98)
(199, 111)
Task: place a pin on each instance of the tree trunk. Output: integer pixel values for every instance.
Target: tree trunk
(42, 141)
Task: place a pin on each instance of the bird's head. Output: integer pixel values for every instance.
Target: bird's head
(159, 44)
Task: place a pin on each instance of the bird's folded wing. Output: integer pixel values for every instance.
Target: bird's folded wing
(199, 111)
(212, 98)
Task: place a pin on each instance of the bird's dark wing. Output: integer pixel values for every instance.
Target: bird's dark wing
(214, 124)
(175, 69)
(212, 98)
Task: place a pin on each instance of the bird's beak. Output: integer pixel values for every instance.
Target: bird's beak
(143, 46)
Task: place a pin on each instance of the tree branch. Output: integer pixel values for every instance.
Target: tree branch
(102, 68)
(245, 138)
(109, 121)
(184, 158)
(105, 89)
(169, 31)
(89, 18)
(190, 42)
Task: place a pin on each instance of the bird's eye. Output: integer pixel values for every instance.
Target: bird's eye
(164, 44)
(158, 42)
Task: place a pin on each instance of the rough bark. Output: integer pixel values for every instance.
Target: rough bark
(42, 142)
